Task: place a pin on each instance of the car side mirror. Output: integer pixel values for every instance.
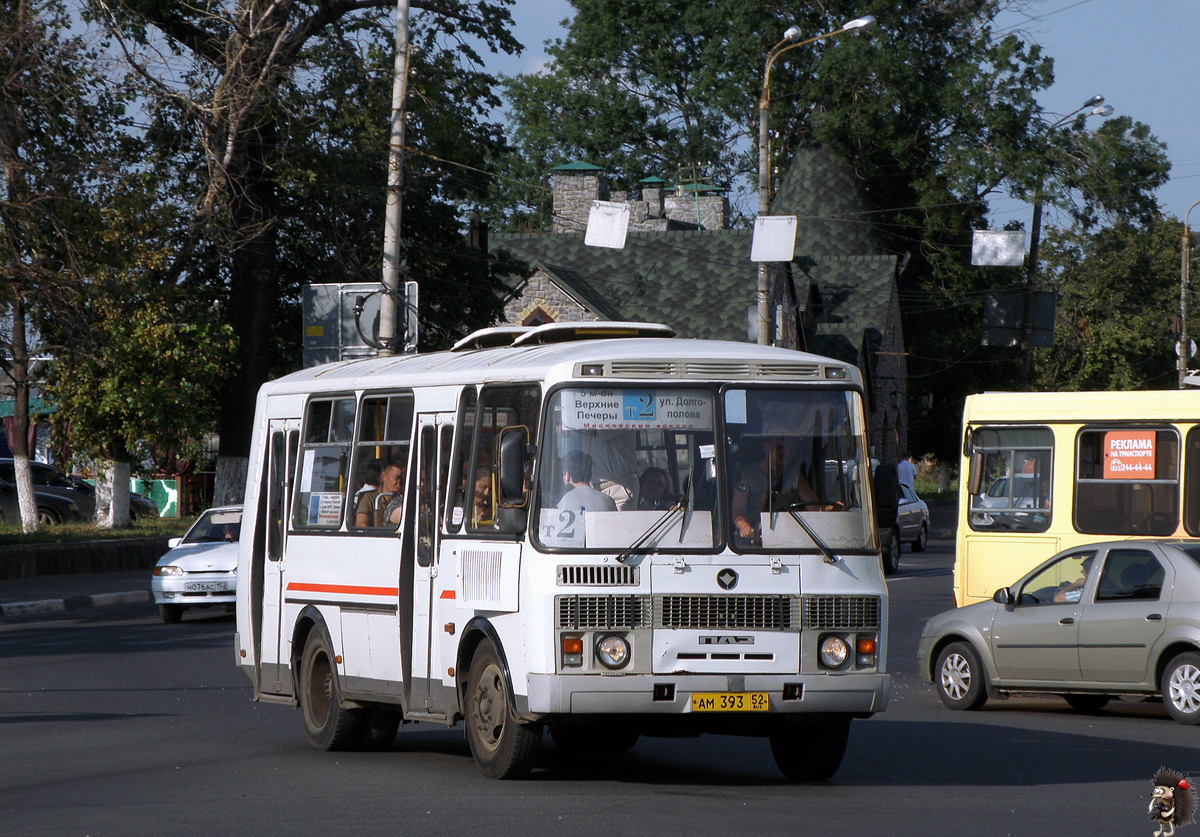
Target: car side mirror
(173, 542)
(1003, 596)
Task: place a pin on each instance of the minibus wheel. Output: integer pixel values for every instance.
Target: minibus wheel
(327, 724)
(503, 747)
(811, 751)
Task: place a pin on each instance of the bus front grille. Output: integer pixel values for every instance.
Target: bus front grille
(770, 613)
(592, 612)
(841, 612)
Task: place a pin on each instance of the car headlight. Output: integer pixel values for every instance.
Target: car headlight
(168, 569)
(612, 651)
(834, 651)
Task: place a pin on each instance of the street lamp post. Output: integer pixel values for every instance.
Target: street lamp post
(859, 24)
(1185, 346)
(1098, 108)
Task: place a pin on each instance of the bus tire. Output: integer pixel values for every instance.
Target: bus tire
(1181, 688)
(959, 677)
(811, 751)
(170, 613)
(593, 739)
(328, 725)
(503, 747)
(891, 553)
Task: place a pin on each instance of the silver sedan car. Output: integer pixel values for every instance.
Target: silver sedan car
(199, 569)
(1095, 621)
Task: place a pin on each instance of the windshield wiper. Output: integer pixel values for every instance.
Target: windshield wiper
(656, 528)
(830, 558)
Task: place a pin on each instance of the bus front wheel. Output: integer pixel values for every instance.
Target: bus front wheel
(503, 747)
(812, 751)
(328, 725)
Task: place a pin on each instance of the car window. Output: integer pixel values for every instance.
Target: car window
(1130, 574)
(907, 495)
(1058, 583)
(216, 526)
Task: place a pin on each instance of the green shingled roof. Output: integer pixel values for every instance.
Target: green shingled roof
(702, 282)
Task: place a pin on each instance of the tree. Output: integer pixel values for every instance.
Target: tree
(58, 133)
(138, 362)
(936, 111)
(241, 58)
(1116, 290)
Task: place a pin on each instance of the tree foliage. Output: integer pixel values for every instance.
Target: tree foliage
(247, 64)
(59, 138)
(1117, 289)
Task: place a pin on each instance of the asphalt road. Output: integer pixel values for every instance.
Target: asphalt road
(114, 723)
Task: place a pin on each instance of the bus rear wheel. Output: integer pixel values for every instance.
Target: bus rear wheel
(503, 747)
(812, 751)
(328, 725)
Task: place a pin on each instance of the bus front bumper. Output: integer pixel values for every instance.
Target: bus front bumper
(859, 694)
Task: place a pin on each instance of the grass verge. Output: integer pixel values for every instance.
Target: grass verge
(162, 527)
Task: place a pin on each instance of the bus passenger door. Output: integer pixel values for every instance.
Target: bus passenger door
(283, 441)
(435, 433)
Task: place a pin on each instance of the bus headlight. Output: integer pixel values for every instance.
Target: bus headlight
(834, 651)
(612, 651)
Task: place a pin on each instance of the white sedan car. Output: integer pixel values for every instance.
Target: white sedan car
(199, 569)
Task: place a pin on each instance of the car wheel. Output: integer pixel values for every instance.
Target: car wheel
(170, 613)
(1181, 688)
(1087, 703)
(328, 725)
(812, 751)
(959, 677)
(503, 747)
(891, 553)
(593, 739)
(922, 539)
(47, 517)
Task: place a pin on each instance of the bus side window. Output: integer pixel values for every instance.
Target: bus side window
(376, 492)
(1191, 483)
(459, 467)
(324, 463)
(500, 406)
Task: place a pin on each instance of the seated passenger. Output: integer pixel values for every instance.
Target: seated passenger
(382, 506)
(577, 474)
(653, 486)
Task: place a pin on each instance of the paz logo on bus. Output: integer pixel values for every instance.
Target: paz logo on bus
(721, 639)
(727, 579)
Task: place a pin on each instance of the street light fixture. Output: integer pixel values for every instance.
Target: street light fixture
(1095, 107)
(790, 41)
(1184, 349)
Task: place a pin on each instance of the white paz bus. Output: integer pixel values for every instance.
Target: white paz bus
(597, 529)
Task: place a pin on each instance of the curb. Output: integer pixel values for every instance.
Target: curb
(73, 603)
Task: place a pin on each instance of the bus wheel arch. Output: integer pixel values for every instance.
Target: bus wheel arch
(504, 745)
(329, 723)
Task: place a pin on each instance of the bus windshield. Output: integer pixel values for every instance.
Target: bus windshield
(626, 466)
(793, 453)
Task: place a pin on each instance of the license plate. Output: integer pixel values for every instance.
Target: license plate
(729, 702)
(206, 586)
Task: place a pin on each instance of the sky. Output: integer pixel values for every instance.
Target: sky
(1141, 55)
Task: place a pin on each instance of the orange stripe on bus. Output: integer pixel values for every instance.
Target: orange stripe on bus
(447, 594)
(301, 587)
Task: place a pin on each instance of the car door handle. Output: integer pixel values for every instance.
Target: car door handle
(1067, 620)
(1154, 617)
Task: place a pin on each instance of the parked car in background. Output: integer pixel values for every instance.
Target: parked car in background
(199, 569)
(912, 516)
(51, 506)
(1094, 621)
(49, 481)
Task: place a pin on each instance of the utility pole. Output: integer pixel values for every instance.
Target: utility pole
(389, 315)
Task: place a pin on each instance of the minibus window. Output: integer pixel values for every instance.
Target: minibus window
(1127, 481)
(324, 464)
(1011, 469)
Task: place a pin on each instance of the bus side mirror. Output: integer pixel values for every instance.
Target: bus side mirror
(512, 444)
(886, 486)
(975, 479)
